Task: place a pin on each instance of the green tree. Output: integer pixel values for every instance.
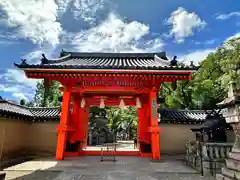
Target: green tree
(30, 103)
(47, 97)
(122, 120)
(94, 113)
(231, 61)
(209, 83)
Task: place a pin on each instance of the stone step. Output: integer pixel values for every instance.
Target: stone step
(231, 173)
(222, 177)
(234, 155)
(233, 162)
(235, 149)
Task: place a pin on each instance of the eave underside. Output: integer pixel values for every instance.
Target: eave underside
(133, 80)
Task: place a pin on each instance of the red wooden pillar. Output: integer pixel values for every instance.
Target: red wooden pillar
(154, 128)
(75, 119)
(140, 124)
(63, 127)
(145, 121)
(80, 129)
(85, 120)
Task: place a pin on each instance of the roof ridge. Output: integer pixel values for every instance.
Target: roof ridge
(114, 54)
(53, 107)
(184, 110)
(57, 60)
(161, 60)
(12, 103)
(80, 61)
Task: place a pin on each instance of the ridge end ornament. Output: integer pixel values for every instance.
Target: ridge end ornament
(24, 62)
(44, 60)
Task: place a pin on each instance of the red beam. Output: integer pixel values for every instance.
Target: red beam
(109, 95)
(111, 101)
(107, 89)
(122, 76)
(108, 104)
(112, 72)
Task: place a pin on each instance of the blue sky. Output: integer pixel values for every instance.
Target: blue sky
(186, 28)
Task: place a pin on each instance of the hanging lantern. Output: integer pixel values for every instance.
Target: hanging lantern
(122, 104)
(138, 103)
(83, 102)
(102, 105)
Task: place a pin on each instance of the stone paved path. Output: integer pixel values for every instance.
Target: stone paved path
(90, 168)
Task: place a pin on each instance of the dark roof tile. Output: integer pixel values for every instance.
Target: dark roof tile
(54, 112)
(74, 60)
(34, 112)
(47, 112)
(182, 115)
(14, 108)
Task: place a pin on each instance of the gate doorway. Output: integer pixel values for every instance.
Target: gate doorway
(112, 127)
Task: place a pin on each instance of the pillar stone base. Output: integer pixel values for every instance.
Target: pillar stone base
(232, 169)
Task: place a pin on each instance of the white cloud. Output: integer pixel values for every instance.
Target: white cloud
(4, 42)
(196, 56)
(62, 6)
(11, 88)
(113, 35)
(19, 96)
(19, 91)
(18, 77)
(208, 42)
(7, 38)
(235, 36)
(184, 23)
(227, 16)
(17, 83)
(32, 19)
(34, 57)
(87, 9)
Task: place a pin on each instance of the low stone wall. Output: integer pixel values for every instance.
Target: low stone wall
(42, 138)
(13, 134)
(18, 137)
(173, 138)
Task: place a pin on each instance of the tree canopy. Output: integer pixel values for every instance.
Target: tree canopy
(210, 83)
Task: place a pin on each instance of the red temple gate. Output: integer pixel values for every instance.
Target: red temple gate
(108, 79)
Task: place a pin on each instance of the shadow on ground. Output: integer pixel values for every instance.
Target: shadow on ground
(90, 168)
